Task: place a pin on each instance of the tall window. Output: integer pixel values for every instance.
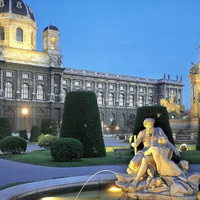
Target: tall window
(121, 100)
(111, 99)
(100, 98)
(122, 120)
(40, 92)
(19, 35)
(131, 101)
(9, 90)
(141, 101)
(2, 33)
(25, 91)
(151, 101)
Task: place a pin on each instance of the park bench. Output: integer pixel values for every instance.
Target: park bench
(120, 154)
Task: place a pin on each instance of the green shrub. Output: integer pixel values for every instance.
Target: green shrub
(23, 134)
(35, 132)
(5, 129)
(13, 145)
(46, 141)
(66, 149)
(48, 126)
(159, 113)
(81, 120)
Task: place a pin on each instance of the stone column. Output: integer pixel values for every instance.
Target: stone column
(34, 88)
(18, 89)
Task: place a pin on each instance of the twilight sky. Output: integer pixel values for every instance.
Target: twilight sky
(145, 38)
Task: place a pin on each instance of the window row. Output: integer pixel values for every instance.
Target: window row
(122, 100)
(24, 75)
(25, 91)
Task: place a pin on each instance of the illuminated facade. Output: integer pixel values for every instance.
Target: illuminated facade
(38, 82)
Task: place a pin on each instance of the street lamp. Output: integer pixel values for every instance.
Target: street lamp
(25, 112)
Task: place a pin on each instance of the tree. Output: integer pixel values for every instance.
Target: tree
(5, 129)
(159, 113)
(81, 120)
(48, 126)
(35, 132)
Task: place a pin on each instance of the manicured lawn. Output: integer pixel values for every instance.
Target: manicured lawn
(43, 157)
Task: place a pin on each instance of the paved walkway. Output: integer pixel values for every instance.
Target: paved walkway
(14, 172)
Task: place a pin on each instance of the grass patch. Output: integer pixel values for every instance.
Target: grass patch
(43, 157)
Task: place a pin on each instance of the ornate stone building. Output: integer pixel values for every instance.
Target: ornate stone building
(38, 82)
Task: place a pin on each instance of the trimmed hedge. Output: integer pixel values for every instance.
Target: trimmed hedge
(46, 141)
(66, 149)
(5, 129)
(81, 120)
(13, 145)
(35, 132)
(23, 134)
(159, 113)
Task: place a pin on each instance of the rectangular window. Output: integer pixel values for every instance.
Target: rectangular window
(40, 77)
(9, 74)
(64, 82)
(76, 83)
(25, 76)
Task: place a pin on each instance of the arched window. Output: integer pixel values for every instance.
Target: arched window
(151, 101)
(64, 93)
(8, 90)
(121, 100)
(122, 120)
(131, 101)
(100, 98)
(2, 33)
(141, 101)
(25, 91)
(111, 99)
(19, 35)
(53, 43)
(112, 117)
(40, 92)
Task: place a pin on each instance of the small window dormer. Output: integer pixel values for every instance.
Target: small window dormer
(19, 4)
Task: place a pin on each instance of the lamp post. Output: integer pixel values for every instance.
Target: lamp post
(24, 112)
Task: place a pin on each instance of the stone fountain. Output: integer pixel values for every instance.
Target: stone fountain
(151, 174)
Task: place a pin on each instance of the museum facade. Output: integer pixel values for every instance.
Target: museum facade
(36, 82)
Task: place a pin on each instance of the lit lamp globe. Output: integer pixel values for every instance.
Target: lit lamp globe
(24, 111)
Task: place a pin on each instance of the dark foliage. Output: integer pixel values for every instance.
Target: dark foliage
(159, 113)
(81, 120)
(66, 149)
(48, 126)
(5, 129)
(35, 132)
(13, 145)
(23, 134)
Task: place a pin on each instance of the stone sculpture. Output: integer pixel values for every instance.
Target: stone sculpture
(151, 173)
(171, 106)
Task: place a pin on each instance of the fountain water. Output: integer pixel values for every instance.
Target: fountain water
(91, 178)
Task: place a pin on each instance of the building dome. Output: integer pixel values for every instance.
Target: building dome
(50, 27)
(17, 7)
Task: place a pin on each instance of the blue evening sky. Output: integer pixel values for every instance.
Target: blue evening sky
(145, 38)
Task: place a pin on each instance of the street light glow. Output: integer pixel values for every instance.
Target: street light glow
(24, 111)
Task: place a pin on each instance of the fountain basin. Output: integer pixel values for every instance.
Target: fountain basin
(34, 189)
